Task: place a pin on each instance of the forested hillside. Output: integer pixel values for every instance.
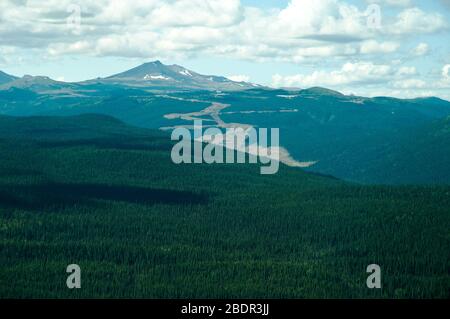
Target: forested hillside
(93, 191)
(359, 139)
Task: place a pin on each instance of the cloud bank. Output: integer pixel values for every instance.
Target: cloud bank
(358, 43)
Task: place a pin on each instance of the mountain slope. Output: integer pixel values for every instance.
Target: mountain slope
(92, 191)
(173, 77)
(349, 137)
(66, 128)
(39, 84)
(5, 78)
(421, 156)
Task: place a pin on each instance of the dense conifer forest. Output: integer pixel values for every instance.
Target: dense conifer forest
(93, 191)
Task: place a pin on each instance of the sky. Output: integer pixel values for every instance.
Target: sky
(397, 48)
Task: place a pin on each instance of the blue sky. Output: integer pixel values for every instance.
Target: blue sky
(368, 47)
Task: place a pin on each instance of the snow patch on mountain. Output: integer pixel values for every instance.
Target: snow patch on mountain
(156, 77)
(186, 73)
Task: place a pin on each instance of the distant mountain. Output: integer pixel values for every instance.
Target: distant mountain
(380, 140)
(38, 84)
(152, 76)
(174, 77)
(371, 140)
(320, 91)
(5, 78)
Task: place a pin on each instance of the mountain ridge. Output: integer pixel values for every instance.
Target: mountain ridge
(349, 137)
(157, 74)
(161, 77)
(6, 78)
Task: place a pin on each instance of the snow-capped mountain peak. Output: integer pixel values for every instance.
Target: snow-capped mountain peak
(174, 76)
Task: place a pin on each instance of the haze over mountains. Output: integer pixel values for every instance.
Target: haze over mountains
(371, 140)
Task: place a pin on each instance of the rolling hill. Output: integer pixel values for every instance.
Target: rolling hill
(95, 191)
(360, 139)
(38, 84)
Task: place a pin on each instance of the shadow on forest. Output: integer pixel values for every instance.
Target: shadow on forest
(154, 144)
(48, 195)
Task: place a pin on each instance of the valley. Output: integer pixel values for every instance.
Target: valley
(220, 158)
(364, 140)
(97, 192)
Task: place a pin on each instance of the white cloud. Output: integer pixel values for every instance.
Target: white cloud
(350, 73)
(446, 72)
(76, 47)
(326, 20)
(318, 33)
(421, 49)
(407, 70)
(197, 13)
(370, 79)
(410, 84)
(303, 30)
(414, 20)
(395, 3)
(372, 46)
